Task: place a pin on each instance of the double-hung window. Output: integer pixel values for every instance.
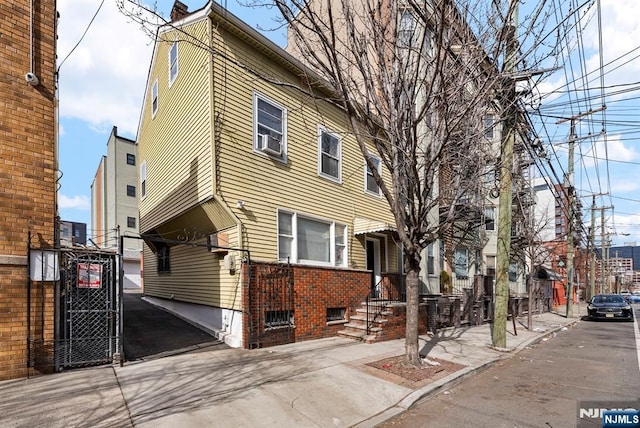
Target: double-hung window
(154, 98)
(329, 155)
(270, 125)
(309, 240)
(370, 184)
(173, 63)
(131, 159)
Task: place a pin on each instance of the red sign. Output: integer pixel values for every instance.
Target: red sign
(89, 275)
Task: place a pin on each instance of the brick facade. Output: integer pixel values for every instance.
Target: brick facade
(27, 170)
(314, 290)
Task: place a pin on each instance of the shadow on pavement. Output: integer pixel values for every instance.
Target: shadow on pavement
(153, 332)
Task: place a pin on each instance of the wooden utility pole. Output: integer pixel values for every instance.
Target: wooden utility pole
(592, 273)
(503, 256)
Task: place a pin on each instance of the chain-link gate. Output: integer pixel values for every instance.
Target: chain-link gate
(88, 330)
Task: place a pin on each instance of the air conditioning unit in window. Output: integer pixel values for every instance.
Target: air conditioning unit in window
(270, 145)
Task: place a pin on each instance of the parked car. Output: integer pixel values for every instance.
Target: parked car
(609, 306)
(634, 297)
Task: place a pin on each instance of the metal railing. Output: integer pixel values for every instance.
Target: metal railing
(390, 289)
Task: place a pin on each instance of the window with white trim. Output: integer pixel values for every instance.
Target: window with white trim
(270, 125)
(307, 240)
(143, 179)
(173, 63)
(370, 184)
(154, 98)
(329, 155)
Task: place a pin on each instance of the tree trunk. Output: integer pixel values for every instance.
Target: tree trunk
(413, 300)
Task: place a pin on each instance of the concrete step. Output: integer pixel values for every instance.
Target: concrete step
(372, 312)
(362, 318)
(359, 327)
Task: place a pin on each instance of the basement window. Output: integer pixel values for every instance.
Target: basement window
(336, 315)
(274, 319)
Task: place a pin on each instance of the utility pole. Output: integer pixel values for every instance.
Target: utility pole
(570, 190)
(592, 270)
(503, 256)
(571, 207)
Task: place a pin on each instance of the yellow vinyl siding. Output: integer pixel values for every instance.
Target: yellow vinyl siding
(265, 184)
(197, 276)
(176, 143)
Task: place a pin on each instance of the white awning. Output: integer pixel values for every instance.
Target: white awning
(363, 225)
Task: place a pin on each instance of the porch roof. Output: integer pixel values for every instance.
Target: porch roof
(363, 225)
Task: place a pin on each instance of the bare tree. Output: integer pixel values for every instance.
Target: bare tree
(415, 80)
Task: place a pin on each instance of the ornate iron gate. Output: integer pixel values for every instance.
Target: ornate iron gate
(88, 329)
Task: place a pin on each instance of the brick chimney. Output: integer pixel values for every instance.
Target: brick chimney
(179, 11)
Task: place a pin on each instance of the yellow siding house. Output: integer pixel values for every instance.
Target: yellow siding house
(256, 207)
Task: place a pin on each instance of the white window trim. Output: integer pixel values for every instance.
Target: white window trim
(173, 79)
(154, 88)
(294, 243)
(322, 130)
(366, 174)
(256, 148)
(143, 179)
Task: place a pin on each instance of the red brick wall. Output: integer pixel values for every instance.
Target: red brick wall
(27, 167)
(314, 290)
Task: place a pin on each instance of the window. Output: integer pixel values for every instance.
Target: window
(336, 314)
(305, 240)
(491, 266)
(461, 263)
(370, 183)
(131, 159)
(329, 153)
(513, 272)
(274, 319)
(143, 179)
(131, 190)
(406, 29)
(162, 258)
(341, 248)
(488, 126)
(431, 266)
(269, 127)
(131, 222)
(490, 218)
(173, 62)
(154, 99)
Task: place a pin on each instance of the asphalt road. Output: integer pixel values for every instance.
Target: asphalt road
(150, 332)
(542, 386)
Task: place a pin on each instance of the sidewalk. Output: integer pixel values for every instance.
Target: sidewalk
(318, 383)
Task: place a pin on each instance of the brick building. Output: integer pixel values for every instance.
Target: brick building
(28, 167)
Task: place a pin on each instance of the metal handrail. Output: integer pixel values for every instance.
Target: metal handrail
(379, 297)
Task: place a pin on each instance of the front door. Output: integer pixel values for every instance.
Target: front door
(373, 263)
